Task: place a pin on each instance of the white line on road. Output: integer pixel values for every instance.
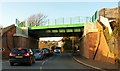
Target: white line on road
(40, 68)
(44, 62)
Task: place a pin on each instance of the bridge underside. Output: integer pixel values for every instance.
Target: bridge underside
(56, 32)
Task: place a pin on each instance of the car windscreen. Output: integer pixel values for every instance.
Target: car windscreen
(22, 51)
(37, 51)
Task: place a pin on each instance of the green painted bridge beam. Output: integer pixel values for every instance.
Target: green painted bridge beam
(56, 26)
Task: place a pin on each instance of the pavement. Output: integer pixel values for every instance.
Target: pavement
(102, 66)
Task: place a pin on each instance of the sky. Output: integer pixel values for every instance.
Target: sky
(59, 0)
(9, 11)
(51, 39)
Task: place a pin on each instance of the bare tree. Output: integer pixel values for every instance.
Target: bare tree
(37, 20)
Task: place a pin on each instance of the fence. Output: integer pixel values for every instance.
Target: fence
(95, 16)
(72, 20)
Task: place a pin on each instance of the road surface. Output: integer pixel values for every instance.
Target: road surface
(56, 62)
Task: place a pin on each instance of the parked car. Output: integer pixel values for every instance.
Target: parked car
(57, 50)
(46, 52)
(39, 55)
(51, 53)
(21, 55)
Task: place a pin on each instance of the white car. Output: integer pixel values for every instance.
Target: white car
(57, 51)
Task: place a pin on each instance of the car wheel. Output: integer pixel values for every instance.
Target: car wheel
(11, 64)
(30, 62)
(33, 60)
(41, 58)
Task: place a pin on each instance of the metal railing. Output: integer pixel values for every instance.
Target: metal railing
(59, 21)
(95, 16)
(72, 20)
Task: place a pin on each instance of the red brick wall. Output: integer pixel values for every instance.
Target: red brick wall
(9, 42)
(104, 53)
(92, 40)
(25, 42)
(109, 12)
(119, 34)
(90, 43)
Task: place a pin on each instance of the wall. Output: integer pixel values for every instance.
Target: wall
(88, 45)
(25, 42)
(22, 31)
(94, 45)
(109, 12)
(119, 34)
(113, 14)
(43, 44)
(12, 40)
(21, 39)
(83, 47)
(7, 40)
(103, 53)
(47, 44)
(92, 38)
(105, 21)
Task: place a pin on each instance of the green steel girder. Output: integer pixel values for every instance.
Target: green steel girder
(56, 26)
(68, 31)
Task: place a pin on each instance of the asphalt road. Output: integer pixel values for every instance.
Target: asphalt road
(56, 62)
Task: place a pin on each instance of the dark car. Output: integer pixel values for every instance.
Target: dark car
(46, 52)
(39, 55)
(21, 55)
(57, 50)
